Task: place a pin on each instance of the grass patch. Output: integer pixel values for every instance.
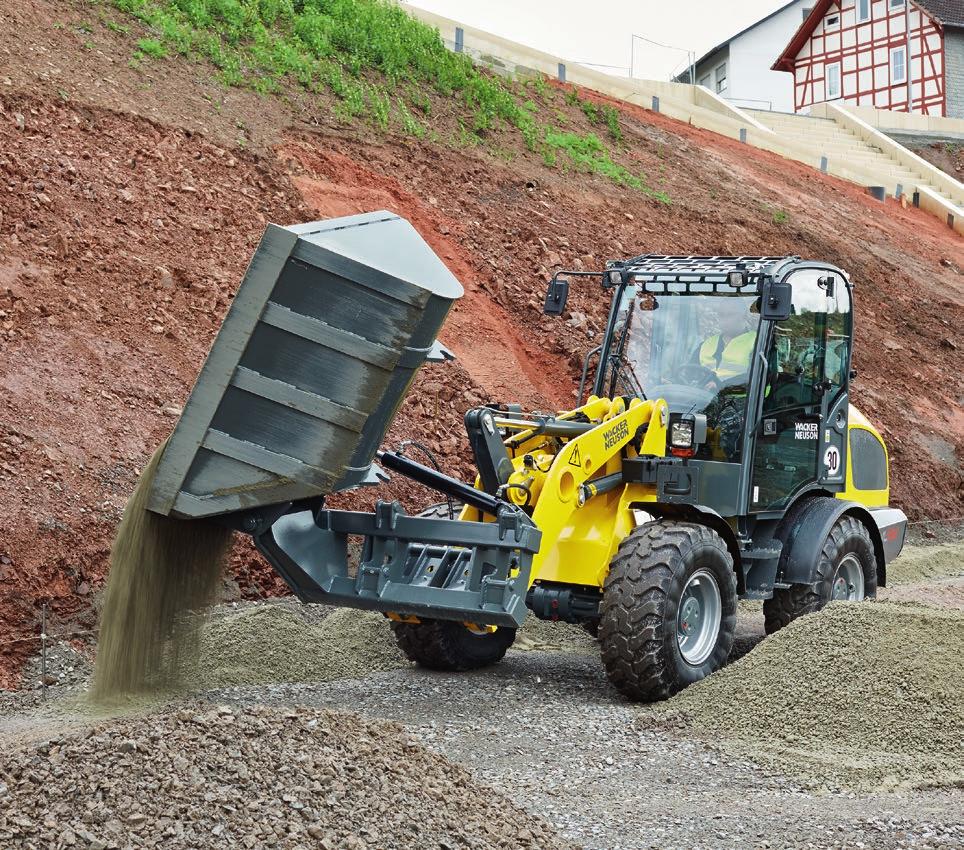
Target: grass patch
(333, 44)
(597, 114)
(378, 62)
(588, 153)
(151, 47)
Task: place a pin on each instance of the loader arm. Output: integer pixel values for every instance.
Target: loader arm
(575, 489)
(579, 509)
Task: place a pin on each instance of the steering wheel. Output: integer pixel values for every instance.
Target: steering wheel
(695, 375)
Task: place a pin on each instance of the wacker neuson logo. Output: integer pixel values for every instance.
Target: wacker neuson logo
(616, 434)
(806, 431)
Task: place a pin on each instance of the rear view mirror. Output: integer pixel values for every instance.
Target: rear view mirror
(776, 300)
(556, 297)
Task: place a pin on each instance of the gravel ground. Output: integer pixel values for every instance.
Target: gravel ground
(548, 726)
(545, 728)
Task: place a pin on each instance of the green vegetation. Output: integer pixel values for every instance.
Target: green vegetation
(333, 44)
(588, 153)
(379, 63)
(781, 217)
(151, 47)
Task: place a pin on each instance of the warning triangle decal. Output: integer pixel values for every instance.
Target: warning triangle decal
(574, 457)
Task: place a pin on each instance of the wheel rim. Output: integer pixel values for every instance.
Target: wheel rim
(699, 617)
(848, 580)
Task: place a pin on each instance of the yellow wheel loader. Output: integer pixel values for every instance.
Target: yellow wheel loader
(716, 457)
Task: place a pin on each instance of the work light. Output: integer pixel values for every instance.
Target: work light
(681, 434)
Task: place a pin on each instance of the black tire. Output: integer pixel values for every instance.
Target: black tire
(441, 510)
(848, 536)
(447, 645)
(641, 603)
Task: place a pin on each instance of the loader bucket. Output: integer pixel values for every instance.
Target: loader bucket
(321, 343)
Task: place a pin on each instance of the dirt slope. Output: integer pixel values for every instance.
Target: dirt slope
(122, 238)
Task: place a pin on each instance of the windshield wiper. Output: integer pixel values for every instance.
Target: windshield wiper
(631, 378)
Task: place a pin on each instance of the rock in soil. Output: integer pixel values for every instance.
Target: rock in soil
(865, 696)
(209, 776)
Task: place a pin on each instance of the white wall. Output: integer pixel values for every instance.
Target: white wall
(751, 55)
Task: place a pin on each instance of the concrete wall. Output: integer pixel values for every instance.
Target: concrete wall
(752, 83)
(911, 122)
(954, 76)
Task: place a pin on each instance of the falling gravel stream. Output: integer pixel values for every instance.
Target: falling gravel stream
(162, 571)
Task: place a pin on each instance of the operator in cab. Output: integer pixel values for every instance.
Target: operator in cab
(727, 354)
(726, 357)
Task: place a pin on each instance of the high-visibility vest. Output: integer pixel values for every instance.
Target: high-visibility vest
(730, 359)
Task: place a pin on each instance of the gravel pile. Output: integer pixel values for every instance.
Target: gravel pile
(920, 563)
(272, 642)
(868, 695)
(260, 777)
(546, 636)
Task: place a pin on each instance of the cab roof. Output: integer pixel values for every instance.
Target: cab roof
(663, 268)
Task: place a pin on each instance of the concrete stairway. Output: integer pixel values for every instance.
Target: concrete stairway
(848, 155)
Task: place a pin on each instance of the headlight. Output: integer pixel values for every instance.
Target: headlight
(681, 434)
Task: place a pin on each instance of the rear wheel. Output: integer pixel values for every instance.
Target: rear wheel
(846, 572)
(668, 610)
(447, 645)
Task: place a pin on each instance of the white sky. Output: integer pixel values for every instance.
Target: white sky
(600, 31)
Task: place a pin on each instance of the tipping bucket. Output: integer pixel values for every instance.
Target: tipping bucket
(321, 343)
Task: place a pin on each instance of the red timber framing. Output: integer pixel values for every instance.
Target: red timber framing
(863, 51)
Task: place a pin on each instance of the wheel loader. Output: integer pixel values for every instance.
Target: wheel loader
(713, 454)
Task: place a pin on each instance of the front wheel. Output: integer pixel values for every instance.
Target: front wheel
(447, 645)
(846, 572)
(668, 609)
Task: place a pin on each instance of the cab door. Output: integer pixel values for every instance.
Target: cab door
(801, 438)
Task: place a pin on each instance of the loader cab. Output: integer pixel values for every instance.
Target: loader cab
(768, 390)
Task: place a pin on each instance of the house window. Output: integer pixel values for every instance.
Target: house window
(832, 23)
(721, 79)
(863, 10)
(833, 81)
(896, 4)
(898, 65)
